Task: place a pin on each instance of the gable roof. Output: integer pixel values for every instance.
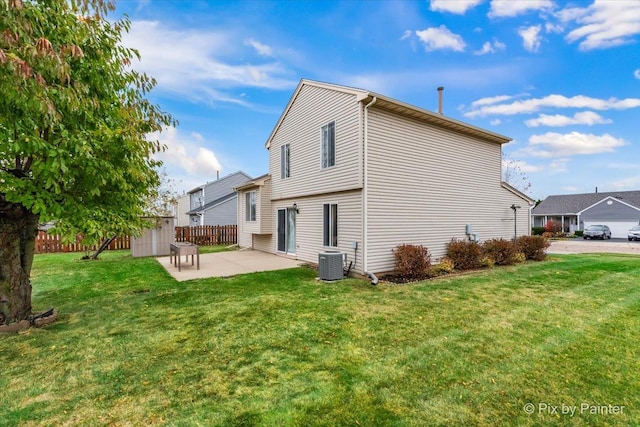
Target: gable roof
(213, 204)
(574, 203)
(256, 182)
(518, 193)
(219, 182)
(398, 107)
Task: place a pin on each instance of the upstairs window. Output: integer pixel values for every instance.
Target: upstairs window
(250, 206)
(330, 224)
(329, 145)
(284, 161)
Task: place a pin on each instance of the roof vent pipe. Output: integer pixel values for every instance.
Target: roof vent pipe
(440, 89)
(596, 190)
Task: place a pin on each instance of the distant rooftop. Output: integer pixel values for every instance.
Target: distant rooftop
(574, 203)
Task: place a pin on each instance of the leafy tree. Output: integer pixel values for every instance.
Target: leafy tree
(73, 123)
(158, 203)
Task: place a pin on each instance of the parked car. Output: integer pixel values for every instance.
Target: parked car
(634, 233)
(597, 232)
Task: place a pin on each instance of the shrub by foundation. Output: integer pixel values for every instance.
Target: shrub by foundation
(533, 247)
(501, 251)
(465, 255)
(537, 231)
(412, 261)
(444, 267)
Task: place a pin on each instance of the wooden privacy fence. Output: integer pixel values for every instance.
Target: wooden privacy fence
(49, 243)
(205, 235)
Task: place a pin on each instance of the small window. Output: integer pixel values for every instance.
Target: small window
(250, 206)
(329, 145)
(330, 224)
(284, 161)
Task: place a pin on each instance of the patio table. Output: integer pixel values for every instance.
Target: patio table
(183, 248)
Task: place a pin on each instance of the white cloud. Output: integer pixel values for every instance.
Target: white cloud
(531, 37)
(635, 166)
(521, 166)
(603, 24)
(495, 122)
(533, 105)
(630, 183)
(511, 8)
(186, 154)
(190, 63)
(588, 118)
(490, 47)
(440, 38)
(554, 144)
(491, 100)
(551, 27)
(636, 74)
(262, 49)
(558, 166)
(570, 189)
(459, 6)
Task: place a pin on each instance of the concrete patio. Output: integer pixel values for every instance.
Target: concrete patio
(225, 264)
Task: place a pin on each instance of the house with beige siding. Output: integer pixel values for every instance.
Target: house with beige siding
(354, 171)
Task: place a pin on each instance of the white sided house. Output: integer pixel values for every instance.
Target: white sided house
(357, 172)
(214, 203)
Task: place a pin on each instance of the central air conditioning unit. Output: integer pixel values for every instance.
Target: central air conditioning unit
(330, 265)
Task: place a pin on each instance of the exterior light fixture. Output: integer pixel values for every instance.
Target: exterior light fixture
(515, 221)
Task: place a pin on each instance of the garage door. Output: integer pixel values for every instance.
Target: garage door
(619, 229)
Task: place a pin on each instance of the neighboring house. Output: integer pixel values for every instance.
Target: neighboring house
(182, 206)
(620, 210)
(215, 203)
(358, 172)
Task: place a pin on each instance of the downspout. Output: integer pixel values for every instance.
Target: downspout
(365, 190)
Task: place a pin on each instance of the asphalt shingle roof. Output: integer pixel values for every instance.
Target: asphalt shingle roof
(214, 203)
(574, 203)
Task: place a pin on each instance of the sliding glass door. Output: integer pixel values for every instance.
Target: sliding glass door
(287, 230)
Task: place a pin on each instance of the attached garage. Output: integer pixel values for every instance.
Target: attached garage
(618, 228)
(615, 213)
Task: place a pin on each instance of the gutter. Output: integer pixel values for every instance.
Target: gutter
(365, 189)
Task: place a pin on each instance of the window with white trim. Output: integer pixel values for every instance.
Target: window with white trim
(250, 206)
(329, 145)
(330, 224)
(284, 161)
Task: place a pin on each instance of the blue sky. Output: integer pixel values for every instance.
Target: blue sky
(560, 78)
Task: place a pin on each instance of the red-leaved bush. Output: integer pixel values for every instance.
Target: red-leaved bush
(412, 261)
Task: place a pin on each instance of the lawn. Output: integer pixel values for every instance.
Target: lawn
(522, 345)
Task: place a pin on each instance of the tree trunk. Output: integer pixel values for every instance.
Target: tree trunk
(105, 244)
(18, 230)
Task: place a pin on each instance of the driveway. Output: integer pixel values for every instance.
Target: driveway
(224, 264)
(581, 246)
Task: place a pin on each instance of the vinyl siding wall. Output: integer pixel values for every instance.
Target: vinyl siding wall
(425, 184)
(221, 187)
(181, 208)
(309, 226)
(255, 233)
(222, 214)
(616, 211)
(196, 199)
(313, 108)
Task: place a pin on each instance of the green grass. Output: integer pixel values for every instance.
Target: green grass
(134, 347)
